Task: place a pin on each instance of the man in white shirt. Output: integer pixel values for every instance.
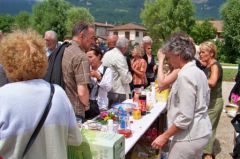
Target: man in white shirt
(116, 60)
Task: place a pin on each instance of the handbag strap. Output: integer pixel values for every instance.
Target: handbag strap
(41, 122)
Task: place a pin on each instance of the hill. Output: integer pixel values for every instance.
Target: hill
(120, 11)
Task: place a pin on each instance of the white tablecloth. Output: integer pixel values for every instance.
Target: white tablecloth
(139, 127)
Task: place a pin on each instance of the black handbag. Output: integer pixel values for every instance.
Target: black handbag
(41, 121)
(236, 124)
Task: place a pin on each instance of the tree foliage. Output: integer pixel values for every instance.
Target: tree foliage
(22, 20)
(163, 17)
(76, 14)
(6, 23)
(50, 15)
(203, 31)
(231, 15)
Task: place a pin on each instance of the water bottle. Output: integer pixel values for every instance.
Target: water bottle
(124, 123)
(153, 93)
(122, 118)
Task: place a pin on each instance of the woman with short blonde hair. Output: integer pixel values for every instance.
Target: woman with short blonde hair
(25, 98)
(210, 47)
(214, 73)
(139, 67)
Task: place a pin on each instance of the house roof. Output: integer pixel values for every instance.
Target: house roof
(218, 24)
(103, 24)
(128, 26)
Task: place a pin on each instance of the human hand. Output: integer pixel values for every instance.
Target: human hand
(134, 65)
(159, 142)
(154, 68)
(160, 55)
(95, 74)
(204, 64)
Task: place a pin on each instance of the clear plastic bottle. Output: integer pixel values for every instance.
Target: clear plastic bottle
(153, 94)
(124, 123)
(110, 126)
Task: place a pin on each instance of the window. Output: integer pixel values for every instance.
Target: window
(127, 34)
(115, 33)
(137, 34)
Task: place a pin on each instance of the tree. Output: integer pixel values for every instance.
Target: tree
(6, 23)
(231, 15)
(22, 20)
(163, 17)
(203, 31)
(50, 15)
(76, 14)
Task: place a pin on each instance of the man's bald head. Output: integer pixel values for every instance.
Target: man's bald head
(112, 40)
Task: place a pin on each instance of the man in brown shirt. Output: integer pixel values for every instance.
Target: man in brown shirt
(75, 68)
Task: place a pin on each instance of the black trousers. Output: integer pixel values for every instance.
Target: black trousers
(93, 110)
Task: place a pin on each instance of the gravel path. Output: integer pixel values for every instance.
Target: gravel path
(224, 137)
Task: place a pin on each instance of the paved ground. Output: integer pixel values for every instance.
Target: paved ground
(224, 143)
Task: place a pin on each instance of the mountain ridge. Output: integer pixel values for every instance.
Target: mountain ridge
(126, 10)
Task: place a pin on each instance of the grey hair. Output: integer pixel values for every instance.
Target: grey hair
(147, 39)
(180, 44)
(122, 42)
(52, 34)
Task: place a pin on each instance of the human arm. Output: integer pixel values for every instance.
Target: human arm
(164, 81)
(83, 94)
(81, 70)
(140, 71)
(122, 68)
(162, 139)
(185, 95)
(106, 81)
(214, 76)
(74, 133)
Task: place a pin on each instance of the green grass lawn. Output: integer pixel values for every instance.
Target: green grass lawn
(229, 74)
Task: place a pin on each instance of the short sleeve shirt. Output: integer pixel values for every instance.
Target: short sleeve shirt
(75, 68)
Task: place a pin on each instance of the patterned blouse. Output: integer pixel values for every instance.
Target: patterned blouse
(140, 65)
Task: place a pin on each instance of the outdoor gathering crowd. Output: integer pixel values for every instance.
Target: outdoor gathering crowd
(96, 77)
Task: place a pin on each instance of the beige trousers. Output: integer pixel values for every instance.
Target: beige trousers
(188, 149)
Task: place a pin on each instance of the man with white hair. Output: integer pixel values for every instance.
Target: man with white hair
(51, 41)
(116, 60)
